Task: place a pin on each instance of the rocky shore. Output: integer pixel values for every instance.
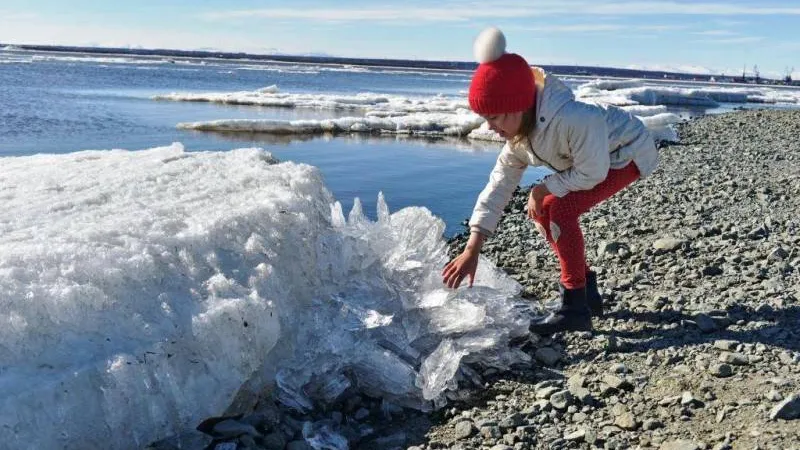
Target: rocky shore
(700, 273)
(699, 267)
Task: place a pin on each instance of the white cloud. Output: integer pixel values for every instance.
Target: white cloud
(728, 23)
(598, 28)
(34, 31)
(678, 68)
(714, 33)
(672, 7)
(361, 14)
(734, 40)
(465, 11)
(7, 15)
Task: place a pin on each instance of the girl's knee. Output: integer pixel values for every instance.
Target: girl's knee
(562, 211)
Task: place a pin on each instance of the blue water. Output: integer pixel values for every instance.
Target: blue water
(58, 106)
(64, 106)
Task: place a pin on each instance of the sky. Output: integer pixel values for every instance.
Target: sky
(705, 36)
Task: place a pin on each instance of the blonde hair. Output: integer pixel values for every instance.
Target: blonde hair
(526, 126)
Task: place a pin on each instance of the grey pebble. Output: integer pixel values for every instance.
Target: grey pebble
(548, 356)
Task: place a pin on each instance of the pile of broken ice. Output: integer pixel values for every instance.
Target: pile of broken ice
(141, 290)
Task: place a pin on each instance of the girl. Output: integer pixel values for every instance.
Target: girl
(595, 151)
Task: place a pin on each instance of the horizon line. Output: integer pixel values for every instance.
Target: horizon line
(227, 54)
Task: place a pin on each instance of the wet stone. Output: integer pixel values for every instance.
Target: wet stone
(548, 356)
(720, 370)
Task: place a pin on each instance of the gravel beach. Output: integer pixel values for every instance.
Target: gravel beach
(699, 267)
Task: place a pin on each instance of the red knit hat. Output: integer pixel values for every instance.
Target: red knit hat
(503, 82)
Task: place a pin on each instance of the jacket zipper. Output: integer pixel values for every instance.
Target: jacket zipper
(530, 146)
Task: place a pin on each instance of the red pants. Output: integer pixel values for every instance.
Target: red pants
(558, 222)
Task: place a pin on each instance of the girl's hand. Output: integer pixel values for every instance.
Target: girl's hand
(536, 200)
(462, 266)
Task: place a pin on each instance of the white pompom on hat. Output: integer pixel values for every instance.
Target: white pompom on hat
(503, 82)
(489, 45)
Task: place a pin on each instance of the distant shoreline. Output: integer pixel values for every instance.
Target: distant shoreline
(404, 63)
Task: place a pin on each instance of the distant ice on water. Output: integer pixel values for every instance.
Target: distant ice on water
(391, 114)
(638, 92)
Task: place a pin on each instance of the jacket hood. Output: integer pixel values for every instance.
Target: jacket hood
(552, 94)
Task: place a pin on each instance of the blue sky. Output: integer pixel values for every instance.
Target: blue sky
(723, 36)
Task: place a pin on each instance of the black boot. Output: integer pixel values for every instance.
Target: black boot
(573, 315)
(593, 295)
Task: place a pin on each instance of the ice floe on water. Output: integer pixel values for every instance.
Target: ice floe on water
(142, 290)
(638, 92)
(423, 124)
(442, 115)
(369, 103)
(381, 114)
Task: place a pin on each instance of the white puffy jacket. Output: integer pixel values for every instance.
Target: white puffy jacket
(577, 140)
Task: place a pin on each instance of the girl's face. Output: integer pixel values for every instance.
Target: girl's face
(506, 125)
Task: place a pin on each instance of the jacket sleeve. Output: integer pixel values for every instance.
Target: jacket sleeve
(587, 137)
(503, 181)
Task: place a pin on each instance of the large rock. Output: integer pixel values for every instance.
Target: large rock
(788, 409)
